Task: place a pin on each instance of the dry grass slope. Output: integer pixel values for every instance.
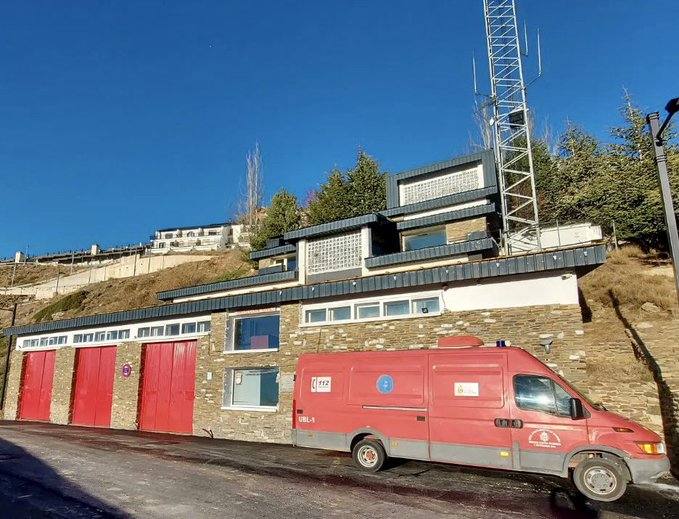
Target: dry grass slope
(30, 273)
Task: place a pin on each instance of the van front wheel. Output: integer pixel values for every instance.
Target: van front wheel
(600, 479)
(369, 455)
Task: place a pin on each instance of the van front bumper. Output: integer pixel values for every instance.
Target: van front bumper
(647, 471)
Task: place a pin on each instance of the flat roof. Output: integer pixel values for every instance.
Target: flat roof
(186, 227)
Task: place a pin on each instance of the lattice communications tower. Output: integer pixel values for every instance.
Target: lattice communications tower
(511, 131)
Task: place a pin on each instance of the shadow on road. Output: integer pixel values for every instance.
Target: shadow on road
(31, 488)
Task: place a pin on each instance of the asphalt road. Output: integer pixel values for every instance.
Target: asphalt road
(53, 471)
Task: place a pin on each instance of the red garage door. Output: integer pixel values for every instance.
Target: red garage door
(36, 389)
(168, 387)
(93, 392)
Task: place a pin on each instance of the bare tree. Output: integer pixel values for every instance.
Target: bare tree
(252, 198)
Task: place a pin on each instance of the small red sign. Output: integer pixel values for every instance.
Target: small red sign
(127, 369)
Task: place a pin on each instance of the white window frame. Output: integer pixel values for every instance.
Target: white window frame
(128, 332)
(354, 303)
(257, 409)
(229, 343)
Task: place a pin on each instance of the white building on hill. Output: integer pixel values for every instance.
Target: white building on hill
(199, 238)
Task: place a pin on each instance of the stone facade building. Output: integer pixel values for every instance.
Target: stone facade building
(219, 359)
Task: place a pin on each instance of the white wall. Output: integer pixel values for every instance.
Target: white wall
(548, 289)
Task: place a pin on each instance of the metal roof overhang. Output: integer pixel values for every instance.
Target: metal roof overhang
(273, 251)
(588, 256)
(448, 216)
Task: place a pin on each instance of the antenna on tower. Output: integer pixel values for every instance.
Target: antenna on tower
(510, 127)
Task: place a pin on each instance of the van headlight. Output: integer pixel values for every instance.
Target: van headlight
(652, 448)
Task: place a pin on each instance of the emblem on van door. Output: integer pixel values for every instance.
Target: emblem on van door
(544, 438)
(385, 384)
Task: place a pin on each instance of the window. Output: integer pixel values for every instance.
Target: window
(157, 331)
(99, 336)
(124, 334)
(367, 311)
(203, 326)
(168, 235)
(426, 306)
(315, 316)
(61, 339)
(292, 264)
(172, 329)
(112, 335)
(258, 332)
(190, 234)
(144, 332)
(43, 341)
(251, 388)
(397, 307)
(189, 328)
(341, 313)
(424, 239)
(161, 244)
(88, 337)
(534, 393)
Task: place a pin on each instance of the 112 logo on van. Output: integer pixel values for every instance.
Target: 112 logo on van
(321, 384)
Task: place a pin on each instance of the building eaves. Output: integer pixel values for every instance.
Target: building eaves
(232, 284)
(578, 257)
(273, 251)
(335, 227)
(432, 253)
(448, 216)
(444, 201)
(187, 227)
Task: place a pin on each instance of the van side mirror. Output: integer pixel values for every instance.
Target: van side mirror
(577, 411)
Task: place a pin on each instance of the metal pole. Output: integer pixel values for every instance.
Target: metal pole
(9, 352)
(670, 218)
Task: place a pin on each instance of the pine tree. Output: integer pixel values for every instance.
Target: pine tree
(367, 189)
(331, 201)
(283, 215)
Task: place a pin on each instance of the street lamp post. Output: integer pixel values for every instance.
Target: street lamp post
(661, 162)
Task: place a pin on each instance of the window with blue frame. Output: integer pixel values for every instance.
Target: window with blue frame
(254, 332)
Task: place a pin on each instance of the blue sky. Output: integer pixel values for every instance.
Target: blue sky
(120, 117)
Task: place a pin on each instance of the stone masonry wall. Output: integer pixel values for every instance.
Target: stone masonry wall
(11, 404)
(124, 409)
(64, 364)
(523, 326)
(458, 231)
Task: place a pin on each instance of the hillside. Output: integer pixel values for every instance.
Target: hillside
(134, 292)
(14, 274)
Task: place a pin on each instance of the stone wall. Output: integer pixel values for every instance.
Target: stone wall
(124, 409)
(11, 404)
(64, 364)
(523, 326)
(458, 231)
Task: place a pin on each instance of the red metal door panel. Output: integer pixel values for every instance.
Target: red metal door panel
(36, 392)
(168, 387)
(93, 394)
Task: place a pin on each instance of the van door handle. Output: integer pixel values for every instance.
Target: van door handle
(517, 424)
(421, 418)
(502, 423)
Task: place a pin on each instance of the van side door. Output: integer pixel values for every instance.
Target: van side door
(545, 432)
(468, 413)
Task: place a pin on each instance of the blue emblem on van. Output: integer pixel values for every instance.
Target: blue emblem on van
(385, 384)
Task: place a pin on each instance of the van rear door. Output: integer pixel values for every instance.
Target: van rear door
(468, 414)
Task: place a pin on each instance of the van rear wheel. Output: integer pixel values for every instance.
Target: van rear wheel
(600, 479)
(369, 455)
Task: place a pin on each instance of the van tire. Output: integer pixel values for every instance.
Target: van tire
(600, 479)
(369, 455)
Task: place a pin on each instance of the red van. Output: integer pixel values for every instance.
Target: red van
(496, 407)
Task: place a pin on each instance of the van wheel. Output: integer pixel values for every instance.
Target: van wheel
(600, 479)
(369, 455)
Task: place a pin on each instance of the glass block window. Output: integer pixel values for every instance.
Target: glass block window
(334, 253)
(442, 185)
